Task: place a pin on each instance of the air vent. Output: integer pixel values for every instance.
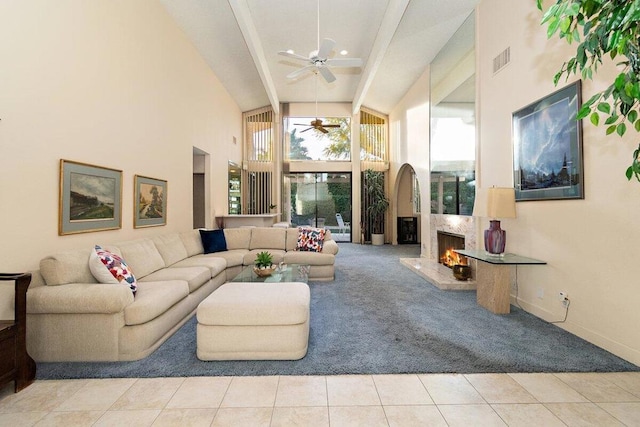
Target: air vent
(502, 60)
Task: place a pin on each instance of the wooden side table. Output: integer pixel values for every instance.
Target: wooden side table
(493, 277)
(15, 363)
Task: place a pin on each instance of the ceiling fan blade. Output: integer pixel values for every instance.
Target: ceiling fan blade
(298, 73)
(327, 74)
(330, 126)
(344, 62)
(292, 55)
(322, 129)
(306, 129)
(325, 48)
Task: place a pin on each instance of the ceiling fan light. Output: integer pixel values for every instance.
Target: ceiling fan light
(290, 51)
(344, 52)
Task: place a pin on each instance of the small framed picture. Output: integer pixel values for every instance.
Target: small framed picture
(90, 198)
(547, 147)
(150, 202)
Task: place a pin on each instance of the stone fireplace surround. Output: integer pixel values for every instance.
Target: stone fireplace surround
(429, 267)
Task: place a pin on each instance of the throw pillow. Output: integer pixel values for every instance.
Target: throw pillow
(213, 241)
(108, 267)
(310, 239)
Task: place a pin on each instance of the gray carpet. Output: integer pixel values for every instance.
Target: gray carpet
(378, 317)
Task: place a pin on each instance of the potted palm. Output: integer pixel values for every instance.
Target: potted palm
(377, 204)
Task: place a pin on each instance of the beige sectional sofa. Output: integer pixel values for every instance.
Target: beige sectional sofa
(72, 317)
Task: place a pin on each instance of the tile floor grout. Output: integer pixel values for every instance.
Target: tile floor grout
(405, 399)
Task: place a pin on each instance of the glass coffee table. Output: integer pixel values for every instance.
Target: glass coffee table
(286, 273)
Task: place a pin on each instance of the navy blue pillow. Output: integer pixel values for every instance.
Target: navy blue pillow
(213, 241)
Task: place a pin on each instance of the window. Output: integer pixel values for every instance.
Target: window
(306, 142)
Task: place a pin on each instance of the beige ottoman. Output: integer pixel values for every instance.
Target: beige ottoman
(254, 321)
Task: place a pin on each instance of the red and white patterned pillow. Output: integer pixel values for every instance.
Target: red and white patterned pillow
(108, 267)
(310, 239)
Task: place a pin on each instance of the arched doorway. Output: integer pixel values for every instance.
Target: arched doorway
(407, 202)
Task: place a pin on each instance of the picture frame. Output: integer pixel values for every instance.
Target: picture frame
(90, 198)
(149, 201)
(547, 147)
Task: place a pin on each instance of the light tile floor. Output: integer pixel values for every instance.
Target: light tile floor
(567, 399)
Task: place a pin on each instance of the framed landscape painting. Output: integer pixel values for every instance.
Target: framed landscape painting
(90, 198)
(150, 202)
(547, 147)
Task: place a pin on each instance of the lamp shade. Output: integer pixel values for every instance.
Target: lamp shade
(495, 202)
(501, 202)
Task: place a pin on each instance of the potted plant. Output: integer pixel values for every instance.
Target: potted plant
(263, 264)
(377, 204)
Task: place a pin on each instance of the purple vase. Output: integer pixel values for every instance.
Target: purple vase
(495, 238)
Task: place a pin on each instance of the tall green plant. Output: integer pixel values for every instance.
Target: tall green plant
(607, 28)
(376, 199)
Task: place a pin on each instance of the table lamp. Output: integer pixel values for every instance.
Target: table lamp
(494, 203)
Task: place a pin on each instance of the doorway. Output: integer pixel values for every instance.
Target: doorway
(320, 200)
(200, 161)
(407, 202)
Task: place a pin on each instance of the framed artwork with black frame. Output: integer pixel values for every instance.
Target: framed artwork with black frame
(150, 202)
(547, 147)
(90, 198)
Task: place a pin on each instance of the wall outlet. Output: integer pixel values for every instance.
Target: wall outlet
(564, 298)
(540, 293)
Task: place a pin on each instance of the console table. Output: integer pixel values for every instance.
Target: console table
(15, 363)
(493, 276)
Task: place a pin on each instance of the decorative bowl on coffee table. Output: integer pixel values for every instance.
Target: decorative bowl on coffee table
(264, 272)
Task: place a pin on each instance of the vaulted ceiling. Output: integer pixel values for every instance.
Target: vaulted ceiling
(396, 39)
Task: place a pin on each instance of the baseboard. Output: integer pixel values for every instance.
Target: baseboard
(621, 350)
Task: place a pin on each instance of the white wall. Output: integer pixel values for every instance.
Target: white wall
(109, 83)
(409, 141)
(590, 245)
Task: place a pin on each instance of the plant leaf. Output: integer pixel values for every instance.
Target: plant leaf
(595, 118)
(604, 107)
(611, 129)
(621, 129)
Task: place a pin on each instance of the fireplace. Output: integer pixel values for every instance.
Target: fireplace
(447, 242)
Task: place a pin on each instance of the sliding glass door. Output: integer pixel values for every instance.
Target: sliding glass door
(319, 200)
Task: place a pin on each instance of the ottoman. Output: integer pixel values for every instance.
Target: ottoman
(254, 321)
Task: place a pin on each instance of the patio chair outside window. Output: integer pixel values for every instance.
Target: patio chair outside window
(344, 227)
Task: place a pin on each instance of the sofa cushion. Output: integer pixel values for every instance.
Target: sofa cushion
(108, 267)
(192, 242)
(213, 241)
(250, 257)
(215, 264)
(67, 267)
(154, 299)
(237, 238)
(291, 239)
(310, 239)
(311, 258)
(142, 256)
(194, 276)
(268, 238)
(170, 247)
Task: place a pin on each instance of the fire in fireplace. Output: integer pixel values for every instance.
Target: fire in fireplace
(447, 243)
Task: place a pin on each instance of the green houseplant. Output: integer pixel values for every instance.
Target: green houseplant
(376, 202)
(603, 28)
(263, 264)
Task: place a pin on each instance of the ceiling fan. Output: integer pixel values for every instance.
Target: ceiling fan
(317, 123)
(318, 60)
